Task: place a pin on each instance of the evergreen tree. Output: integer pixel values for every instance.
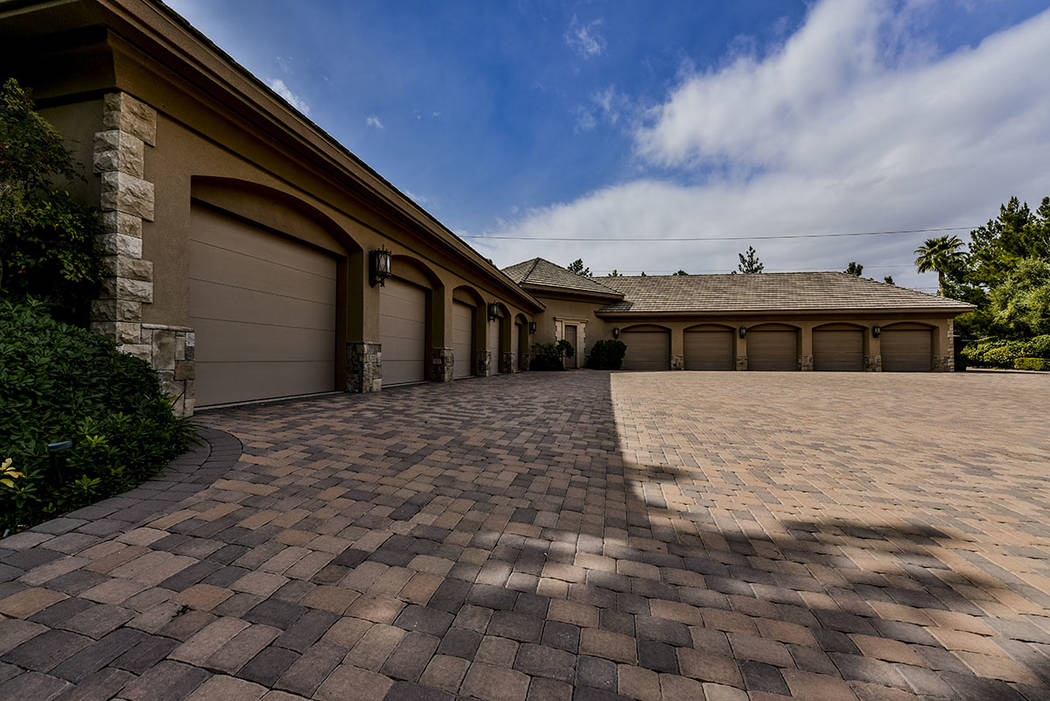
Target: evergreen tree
(854, 268)
(577, 267)
(749, 262)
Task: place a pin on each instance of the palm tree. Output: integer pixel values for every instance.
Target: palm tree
(941, 255)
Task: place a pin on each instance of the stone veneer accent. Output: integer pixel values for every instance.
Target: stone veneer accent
(524, 361)
(442, 364)
(677, 362)
(507, 363)
(126, 200)
(482, 360)
(873, 363)
(805, 363)
(741, 362)
(364, 372)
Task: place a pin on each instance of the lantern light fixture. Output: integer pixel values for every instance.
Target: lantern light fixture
(532, 327)
(616, 332)
(875, 331)
(380, 267)
(742, 331)
(493, 311)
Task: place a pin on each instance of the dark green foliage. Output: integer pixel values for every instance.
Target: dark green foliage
(888, 280)
(749, 262)
(578, 268)
(854, 268)
(1032, 364)
(1003, 353)
(565, 347)
(606, 355)
(48, 240)
(60, 382)
(547, 356)
(679, 273)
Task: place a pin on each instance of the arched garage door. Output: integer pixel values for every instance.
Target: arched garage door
(772, 349)
(709, 349)
(402, 332)
(462, 340)
(907, 349)
(647, 350)
(838, 349)
(264, 311)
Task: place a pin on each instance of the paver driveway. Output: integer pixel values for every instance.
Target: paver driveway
(671, 535)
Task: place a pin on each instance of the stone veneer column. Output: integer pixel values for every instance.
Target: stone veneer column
(507, 362)
(482, 363)
(126, 200)
(364, 372)
(677, 362)
(945, 360)
(442, 364)
(741, 350)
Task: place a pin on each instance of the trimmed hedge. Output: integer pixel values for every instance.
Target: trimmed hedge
(1002, 353)
(1032, 364)
(606, 355)
(59, 382)
(547, 356)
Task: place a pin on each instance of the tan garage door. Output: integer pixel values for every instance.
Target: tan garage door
(462, 340)
(838, 350)
(402, 332)
(771, 350)
(906, 350)
(709, 349)
(647, 350)
(263, 308)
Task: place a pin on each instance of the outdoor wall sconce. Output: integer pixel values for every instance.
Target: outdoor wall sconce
(532, 327)
(742, 331)
(616, 332)
(493, 311)
(875, 331)
(380, 266)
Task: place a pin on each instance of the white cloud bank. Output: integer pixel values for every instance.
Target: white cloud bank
(278, 86)
(831, 131)
(374, 122)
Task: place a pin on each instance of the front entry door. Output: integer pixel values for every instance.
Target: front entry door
(570, 336)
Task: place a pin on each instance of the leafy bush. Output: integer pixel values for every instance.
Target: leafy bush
(565, 347)
(60, 382)
(1001, 352)
(606, 355)
(547, 356)
(48, 240)
(1032, 364)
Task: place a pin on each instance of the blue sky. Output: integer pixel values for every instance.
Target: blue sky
(712, 119)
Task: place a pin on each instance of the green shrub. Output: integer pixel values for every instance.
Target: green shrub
(547, 356)
(1001, 352)
(1032, 364)
(606, 355)
(60, 382)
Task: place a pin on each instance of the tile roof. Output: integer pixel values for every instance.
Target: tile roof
(767, 292)
(546, 274)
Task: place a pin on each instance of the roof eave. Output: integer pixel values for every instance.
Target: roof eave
(937, 311)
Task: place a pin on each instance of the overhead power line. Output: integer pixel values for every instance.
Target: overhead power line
(650, 239)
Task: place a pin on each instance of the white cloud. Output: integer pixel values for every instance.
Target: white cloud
(849, 125)
(373, 121)
(585, 39)
(278, 86)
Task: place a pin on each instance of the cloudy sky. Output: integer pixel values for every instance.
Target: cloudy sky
(730, 122)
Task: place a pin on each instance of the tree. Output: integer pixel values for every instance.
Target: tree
(854, 268)
(577, 267)
(1000, 245)
(749, 263)
(888, 280)
(1020, 304)
(614, 273)
(941, 255)
(680, 272)
(48, 241)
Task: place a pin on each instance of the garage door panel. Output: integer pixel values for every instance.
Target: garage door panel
(264, 311)
(402, 332)
(772, 350)
(646, 350)
(226, 341)
(709, 350)
(238, 304)
(907, 350)
(462, 340)
(218, 381)
(838, 351)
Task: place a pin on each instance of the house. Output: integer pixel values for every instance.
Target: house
(251, 256)
(772, 321)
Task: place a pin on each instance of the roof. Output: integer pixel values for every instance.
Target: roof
(818, 291)
(539, 272)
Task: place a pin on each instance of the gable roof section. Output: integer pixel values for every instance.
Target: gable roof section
(541, 273)
(818, 291)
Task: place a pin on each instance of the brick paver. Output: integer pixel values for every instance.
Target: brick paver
(655, 536)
